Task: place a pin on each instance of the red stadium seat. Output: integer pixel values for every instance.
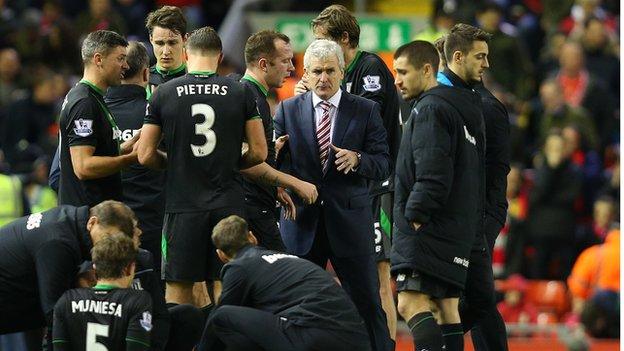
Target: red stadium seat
(549, 296)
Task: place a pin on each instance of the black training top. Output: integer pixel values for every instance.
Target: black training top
(142, 187)
(104, 317)
(261, 196)
(86, 120)
(290, 287)
(42, 250)
(203, 120)
(368, 77)
(158, 76)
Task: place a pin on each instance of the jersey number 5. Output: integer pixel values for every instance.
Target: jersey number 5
(203, 128)
(93, 330)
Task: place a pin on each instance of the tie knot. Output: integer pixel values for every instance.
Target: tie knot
(325, 105)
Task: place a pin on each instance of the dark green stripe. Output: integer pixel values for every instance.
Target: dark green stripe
(137, 341)
(58, 341)
(385, 223)
(422, 320)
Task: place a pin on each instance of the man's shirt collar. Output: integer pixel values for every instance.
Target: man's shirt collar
(334, 100)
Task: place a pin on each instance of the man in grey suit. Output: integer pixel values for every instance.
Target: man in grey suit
(336, 141)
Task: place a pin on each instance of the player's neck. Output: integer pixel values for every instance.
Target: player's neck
(253, 73)
(122, 283)
(94, 79)
(350, 54)
(202, 64)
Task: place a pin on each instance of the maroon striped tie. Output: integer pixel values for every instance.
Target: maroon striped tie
(323, 132)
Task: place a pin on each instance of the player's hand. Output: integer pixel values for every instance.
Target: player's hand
(302, 86)
(129, 145)
(290, 211)
(279, 143)
(346, 160)
(416, 225)
(306, 191)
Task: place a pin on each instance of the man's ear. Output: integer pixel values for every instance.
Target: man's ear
(457, 56)
(220, 58)
(344, 38)
(222, 256)
(93, 220)
(130, 269)
(263, 63)
(145, 74)
(252, 238)
(97, 59)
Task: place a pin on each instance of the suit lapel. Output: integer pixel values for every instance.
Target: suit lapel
(343, 118)
(308, 126)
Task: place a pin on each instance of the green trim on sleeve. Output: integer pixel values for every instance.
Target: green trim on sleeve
(59, 341)
(254, 117)
(144, 343)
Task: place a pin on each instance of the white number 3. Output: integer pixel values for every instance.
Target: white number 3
(203, 128)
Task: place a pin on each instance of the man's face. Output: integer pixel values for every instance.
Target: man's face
(408, 79)
(475, 62)
(324, 76)
(168, 48)
(280, 67)
(114, 65)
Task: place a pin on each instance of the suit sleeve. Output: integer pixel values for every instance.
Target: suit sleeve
(234, 280)
(60, 335)
(280, 129)
(375, 161)
(497, 155)
(140, 324)
(432, 151)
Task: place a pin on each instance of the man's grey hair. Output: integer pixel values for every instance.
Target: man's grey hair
(323, 49)
(101, 41)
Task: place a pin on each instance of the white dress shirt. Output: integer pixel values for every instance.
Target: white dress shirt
(333, 111)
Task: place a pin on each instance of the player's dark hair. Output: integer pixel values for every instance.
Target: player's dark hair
(169, 17)
(419, 53)
(439, 45)
(112, 254)
(102, 42)
(262, 45)
(137, 59)
(204, 40)
(115, 213)
(230, 235)
(461, 38)
(337, 20)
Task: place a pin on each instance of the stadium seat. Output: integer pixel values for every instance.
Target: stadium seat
(549, 296)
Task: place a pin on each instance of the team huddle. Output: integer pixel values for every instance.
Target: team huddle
(191, 217)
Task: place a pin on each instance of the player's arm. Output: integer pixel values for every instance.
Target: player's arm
(257, 150)
(140, 325)
(81, 130)
(431, 146)
(147, 148)
(60, 334)
(266, 175)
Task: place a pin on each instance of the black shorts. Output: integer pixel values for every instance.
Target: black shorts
(410, 280)
(382, 213)
(188, 254)
(263, 225)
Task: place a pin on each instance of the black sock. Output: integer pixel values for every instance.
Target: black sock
(426, 332)
(206, 311)
(453, 336)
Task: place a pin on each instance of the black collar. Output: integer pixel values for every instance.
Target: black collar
(455, 80)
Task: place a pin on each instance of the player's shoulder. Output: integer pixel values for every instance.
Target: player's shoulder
(358, 100)
(372, 62)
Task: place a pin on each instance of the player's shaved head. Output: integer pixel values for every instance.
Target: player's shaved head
(112, 254)
(102, 42)
(112, 213)
(168, 17)
(137, 59)
(230, 235)
(204, 41)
